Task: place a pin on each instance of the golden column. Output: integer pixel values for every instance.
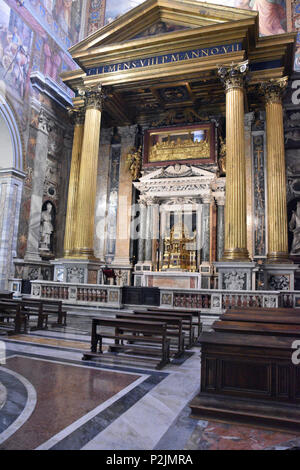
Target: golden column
(276, 176)
(235, 246)
(78, 115)
(86, 196)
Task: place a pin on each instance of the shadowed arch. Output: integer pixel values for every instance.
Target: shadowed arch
(6, 112)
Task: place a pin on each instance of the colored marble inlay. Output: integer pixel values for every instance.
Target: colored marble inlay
(219, 436)
(259, 195)
(65, 393)
(61, 343)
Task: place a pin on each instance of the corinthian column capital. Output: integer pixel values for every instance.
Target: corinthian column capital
(273, 89)
(234, 75)
(93, 97)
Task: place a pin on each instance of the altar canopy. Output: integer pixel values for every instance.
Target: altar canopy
(195, 79)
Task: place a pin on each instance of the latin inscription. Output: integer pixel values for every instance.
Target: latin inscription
(165, 59)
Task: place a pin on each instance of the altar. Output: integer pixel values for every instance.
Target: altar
(181, 230)
(176, 280)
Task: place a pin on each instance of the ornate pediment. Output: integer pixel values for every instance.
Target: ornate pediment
(178, 171)
(156, 17)
(177, 181)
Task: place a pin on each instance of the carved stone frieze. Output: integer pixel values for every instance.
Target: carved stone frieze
(179, 181)
(45, 123)
(235, 280)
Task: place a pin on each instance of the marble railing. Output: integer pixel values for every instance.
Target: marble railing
(208, 300)
(218, 300)
(83, 294)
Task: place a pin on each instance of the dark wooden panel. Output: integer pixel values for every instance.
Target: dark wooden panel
(141, 296)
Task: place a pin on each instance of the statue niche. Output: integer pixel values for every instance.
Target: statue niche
(47, 228)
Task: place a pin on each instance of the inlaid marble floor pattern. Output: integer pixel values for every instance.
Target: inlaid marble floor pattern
(51, 399)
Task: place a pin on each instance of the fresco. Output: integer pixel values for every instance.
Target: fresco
(272, 13)
(296, 25)
(61, 19)
(25, 49)
(15, 49)
(95, 17)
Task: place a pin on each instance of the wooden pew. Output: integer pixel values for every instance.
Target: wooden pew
(187, 322)
(267, 310)
(6, 294)
(257, 328)
(52, 307)
(248, 370)
(194, 313)
(281, 316)
(124, 332)
(174, 327)
(42, 308)
(12, 311)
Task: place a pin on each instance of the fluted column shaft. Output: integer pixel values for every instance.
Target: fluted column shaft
(235, 248)
(84, 231)
(276, 175)
(69, 241)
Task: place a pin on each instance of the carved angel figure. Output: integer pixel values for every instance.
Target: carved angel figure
(222, 158)
(134, 161)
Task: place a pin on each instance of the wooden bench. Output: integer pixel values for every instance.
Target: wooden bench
(194, 313)
(12, 311)
(41, 309)
(174, 328)
(52, 307)
(187, 323)
(125, 332)
(6, 294)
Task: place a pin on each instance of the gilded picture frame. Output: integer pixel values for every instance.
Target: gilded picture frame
(185, 144)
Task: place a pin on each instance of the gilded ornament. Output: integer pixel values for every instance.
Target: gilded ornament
(134, 163)
(180, 250)
(180, 149)
(222, 157)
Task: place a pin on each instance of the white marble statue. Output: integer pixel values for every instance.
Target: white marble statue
(294, 227)
(46, 228)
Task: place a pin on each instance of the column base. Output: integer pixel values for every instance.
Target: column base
(235, 275)
(236, 254)
(78, 271)
(279, 258)
(279, 276)
(83, 254)
(32, 269)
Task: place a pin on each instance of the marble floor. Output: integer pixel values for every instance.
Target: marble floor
(51, 399)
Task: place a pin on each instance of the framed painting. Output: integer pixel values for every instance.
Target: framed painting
(187, 144)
